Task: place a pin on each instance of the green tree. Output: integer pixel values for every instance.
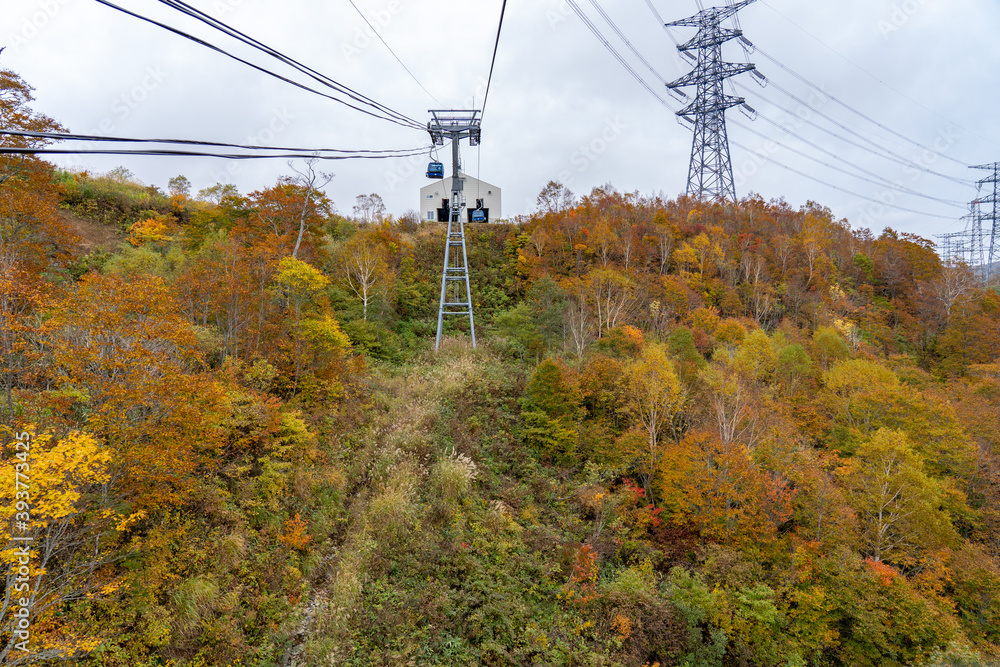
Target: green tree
(179, 186)
(898, 504)
(698, 607)
(830, 347)
(793, 367)
(552, 409)
(689, 359)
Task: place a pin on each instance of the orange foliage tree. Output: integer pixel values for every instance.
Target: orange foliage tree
(126, 347)
(719, 490)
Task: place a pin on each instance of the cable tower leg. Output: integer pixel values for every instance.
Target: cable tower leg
(444, 287)
(468, 288)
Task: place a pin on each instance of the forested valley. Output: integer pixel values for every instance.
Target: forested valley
(691, 434)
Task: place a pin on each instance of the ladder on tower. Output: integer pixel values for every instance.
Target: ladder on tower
(456, 294)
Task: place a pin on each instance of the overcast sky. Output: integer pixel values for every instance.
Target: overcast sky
(560, 106)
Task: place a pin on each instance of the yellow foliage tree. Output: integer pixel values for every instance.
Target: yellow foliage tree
(55, 549)
(150, 230)
(317, 342)
(655, 397)
(756, 358)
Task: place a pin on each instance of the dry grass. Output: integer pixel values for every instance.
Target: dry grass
(452, 477)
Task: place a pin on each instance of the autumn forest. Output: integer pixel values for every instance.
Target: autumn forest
(691, 434)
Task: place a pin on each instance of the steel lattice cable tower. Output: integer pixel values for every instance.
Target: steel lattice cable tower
(456, 295)
(710, 175)
(991, 215)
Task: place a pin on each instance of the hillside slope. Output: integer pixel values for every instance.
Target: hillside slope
(692, 435)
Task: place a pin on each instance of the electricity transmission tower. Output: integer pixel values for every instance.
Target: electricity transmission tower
(456, 296)
(990, 214)
(710, 175)
(966, 247)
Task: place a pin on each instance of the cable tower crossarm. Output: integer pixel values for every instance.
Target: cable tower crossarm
(712, 16)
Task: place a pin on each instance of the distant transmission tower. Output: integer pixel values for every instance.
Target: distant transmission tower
(991, 215)
(456, 295)
(710, 175)
(966, 247)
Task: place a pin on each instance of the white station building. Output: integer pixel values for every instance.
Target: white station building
(435, 199)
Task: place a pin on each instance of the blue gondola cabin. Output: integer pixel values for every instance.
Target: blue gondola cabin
(435, 170)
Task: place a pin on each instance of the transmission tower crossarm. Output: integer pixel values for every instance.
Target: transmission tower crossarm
(704, 74)
(700, 107)
(711, 15)
(706, 39)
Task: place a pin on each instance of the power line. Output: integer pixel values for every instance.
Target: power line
(852, 109)
(618, 56)
(872, 76)
(66, 136)
(180, 153)
(496, 47)
(882, 152)
(412, 76)
(874, 180)
(887, 156)
(625, 39)
(659, 19)
(184, 8)
(836, 187)
(404, 123)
